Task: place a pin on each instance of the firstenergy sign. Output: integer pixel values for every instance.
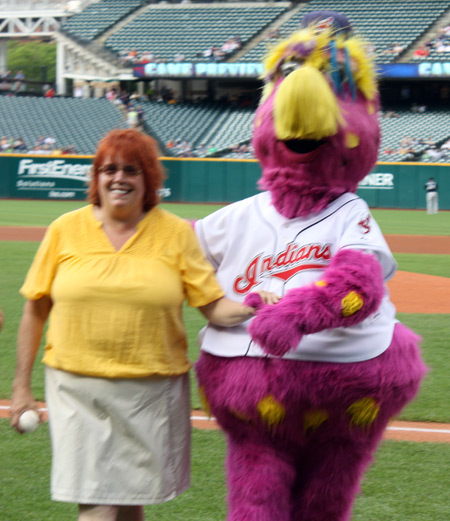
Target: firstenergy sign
(52, 179)
(56, 179)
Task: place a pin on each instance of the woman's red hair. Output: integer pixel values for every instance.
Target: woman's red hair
(129, 147)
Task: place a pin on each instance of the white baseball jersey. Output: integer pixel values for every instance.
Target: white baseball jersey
(255, 248)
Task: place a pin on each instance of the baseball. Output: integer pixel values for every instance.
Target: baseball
(28, 421)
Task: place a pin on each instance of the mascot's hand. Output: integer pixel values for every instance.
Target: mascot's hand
(275, 329)
(350, 290)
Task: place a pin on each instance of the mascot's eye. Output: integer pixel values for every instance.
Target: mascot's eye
(289, 67)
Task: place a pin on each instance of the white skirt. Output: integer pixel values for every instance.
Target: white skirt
(118, 441)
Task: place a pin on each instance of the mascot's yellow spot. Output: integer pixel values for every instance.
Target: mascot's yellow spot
(272, 413)
(363, 412)
(351, 140)
(370, 108)
(314, 419)
(240, 416)
(321, 283)
(351, 303)
(204, 400)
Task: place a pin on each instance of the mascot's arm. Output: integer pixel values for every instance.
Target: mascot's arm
(350, 290)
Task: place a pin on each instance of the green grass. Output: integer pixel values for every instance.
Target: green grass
(433, 401)
(407, 481)
(412, 222)
(41, 213)
(438, 265)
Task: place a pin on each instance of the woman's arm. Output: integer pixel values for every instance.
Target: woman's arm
(226, 312)
(34, 317)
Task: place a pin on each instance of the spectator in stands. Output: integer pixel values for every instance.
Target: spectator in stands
(201, 150)
(273, 35)
(117, 373)
(71, 149)
(141, 114)
(132, 117)
(433, 154)
(427, 141)
(50, 93)
(446, 145)
(218, 54)
(4, 144)
(416, 108)
(131, 56)
(421, 52)
(50, 141)
(390, 114)
(231, 45)
(111, 94)
(37, 149)
(40, 141)
(147, 57)
(19, 85)
(124, 97)
(179, 57)
(78, 91)
(19, 145)
(394, 48)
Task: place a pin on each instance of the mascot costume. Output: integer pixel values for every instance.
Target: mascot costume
(305, 389)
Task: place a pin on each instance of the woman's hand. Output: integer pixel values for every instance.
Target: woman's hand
(268, 297)
(258, 299)
(226, 312)
(22, 400)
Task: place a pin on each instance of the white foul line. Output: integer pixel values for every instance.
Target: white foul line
(205, 418)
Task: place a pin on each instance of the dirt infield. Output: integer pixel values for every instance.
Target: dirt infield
(407, 293)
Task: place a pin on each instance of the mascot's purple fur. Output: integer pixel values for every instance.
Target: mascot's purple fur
(305, 390)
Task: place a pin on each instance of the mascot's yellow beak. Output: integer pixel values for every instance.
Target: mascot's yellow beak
(305, 106)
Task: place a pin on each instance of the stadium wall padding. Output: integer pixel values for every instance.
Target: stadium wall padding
(389, 185)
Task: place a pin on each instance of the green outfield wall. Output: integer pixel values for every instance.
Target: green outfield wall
(389, 185)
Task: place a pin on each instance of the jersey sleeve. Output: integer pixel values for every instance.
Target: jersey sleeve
(39, 279)
(362, 232)
(201, 286)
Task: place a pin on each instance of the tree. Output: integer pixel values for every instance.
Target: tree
(36, 58)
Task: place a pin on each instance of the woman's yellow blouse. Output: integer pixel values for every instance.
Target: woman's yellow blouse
(118, 314)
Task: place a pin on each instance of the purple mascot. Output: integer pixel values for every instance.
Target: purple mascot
(306, 388)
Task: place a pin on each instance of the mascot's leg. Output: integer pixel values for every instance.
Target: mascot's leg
(260, 480)
(260, 464)
(340, 450)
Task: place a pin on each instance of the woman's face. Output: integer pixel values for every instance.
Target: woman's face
(120, 185)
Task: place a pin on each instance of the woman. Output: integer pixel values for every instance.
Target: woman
(112, 277)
